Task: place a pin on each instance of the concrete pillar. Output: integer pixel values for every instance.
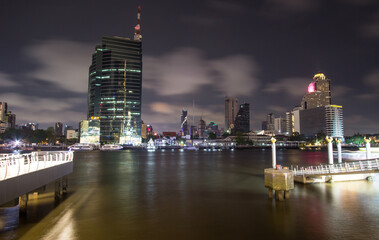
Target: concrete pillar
(330, 149)
(64, 185)
(339, 150)
(58, 189)
(273, 147)
(368, 148)
(23, 203)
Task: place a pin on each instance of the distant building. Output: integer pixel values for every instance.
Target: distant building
(58, 129)
(318, 94)
(264, 125)
(71, 134)
(231, 110)
(201, 127)
(169, 134)
(280, 125)
(184, 123)
(242, 121)
(289, 123)
(327, 119)
(11, 118)
(213, 127)
(89, 131)
(143, 130)
(334, 121)
(3, 111)
(115, 87)
(270, 122)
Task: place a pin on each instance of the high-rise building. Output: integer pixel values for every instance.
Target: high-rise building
(58, 129)
(231, 110)
(270, 121)
(184, 123)
(280, 125)
(242, 121)
(201, 127)
(3, 111)
(114, 88)
(11, 119)
(318, 94)
(334, 121)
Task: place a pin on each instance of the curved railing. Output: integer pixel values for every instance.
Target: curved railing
(13, 165)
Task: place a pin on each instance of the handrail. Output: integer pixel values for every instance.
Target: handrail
(346, 167)
(13, 165)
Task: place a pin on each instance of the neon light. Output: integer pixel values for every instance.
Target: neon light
(311, 88)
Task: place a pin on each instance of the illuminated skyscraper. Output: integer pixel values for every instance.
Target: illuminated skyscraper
(114, 88)
(318, 94)
(184, 123)
(231, 110)
(334, 121)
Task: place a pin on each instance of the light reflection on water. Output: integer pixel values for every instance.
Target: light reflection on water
(202, 195)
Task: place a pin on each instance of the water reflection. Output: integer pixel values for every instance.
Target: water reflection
(203, 195)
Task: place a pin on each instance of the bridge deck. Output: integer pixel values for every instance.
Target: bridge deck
(23, 173)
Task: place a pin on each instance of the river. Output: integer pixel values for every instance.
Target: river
(197, 195)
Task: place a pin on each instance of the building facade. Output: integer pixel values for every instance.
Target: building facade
(242, 121)
(184, 123)
(334, 121)
(201, 127)
(115, 87)
(231, 110)
(318, 94)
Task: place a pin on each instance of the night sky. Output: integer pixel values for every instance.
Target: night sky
(264, 52)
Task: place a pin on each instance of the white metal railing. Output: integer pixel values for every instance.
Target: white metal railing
(13, 165)
(346, 167)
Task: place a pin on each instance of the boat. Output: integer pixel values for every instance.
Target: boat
(150, 146)
(81, 147)
(111, 147)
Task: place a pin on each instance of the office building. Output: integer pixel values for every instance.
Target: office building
(318, 94)
(201, 127)
(58, 129)
(3, 111)
(114, 88)
(231, 110)
(11, 118)
(280, 125)
(334, 121)
(184, 123)
(242, 121)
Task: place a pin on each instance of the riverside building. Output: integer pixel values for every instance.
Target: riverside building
(231, 110)
(115, 86)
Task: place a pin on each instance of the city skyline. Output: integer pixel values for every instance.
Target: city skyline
(263, 53)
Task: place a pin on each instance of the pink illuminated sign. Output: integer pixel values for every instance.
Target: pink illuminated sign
(311, 88)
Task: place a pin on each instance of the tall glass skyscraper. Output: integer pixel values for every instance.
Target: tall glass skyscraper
(115, 87)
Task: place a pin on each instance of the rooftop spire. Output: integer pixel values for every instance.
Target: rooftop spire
(137, 34)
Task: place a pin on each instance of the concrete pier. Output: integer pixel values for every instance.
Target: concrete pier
(281, 181)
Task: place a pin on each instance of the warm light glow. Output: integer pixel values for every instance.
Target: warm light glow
(319, 76)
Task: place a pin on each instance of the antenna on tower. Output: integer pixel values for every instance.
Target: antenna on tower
(137, 34)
